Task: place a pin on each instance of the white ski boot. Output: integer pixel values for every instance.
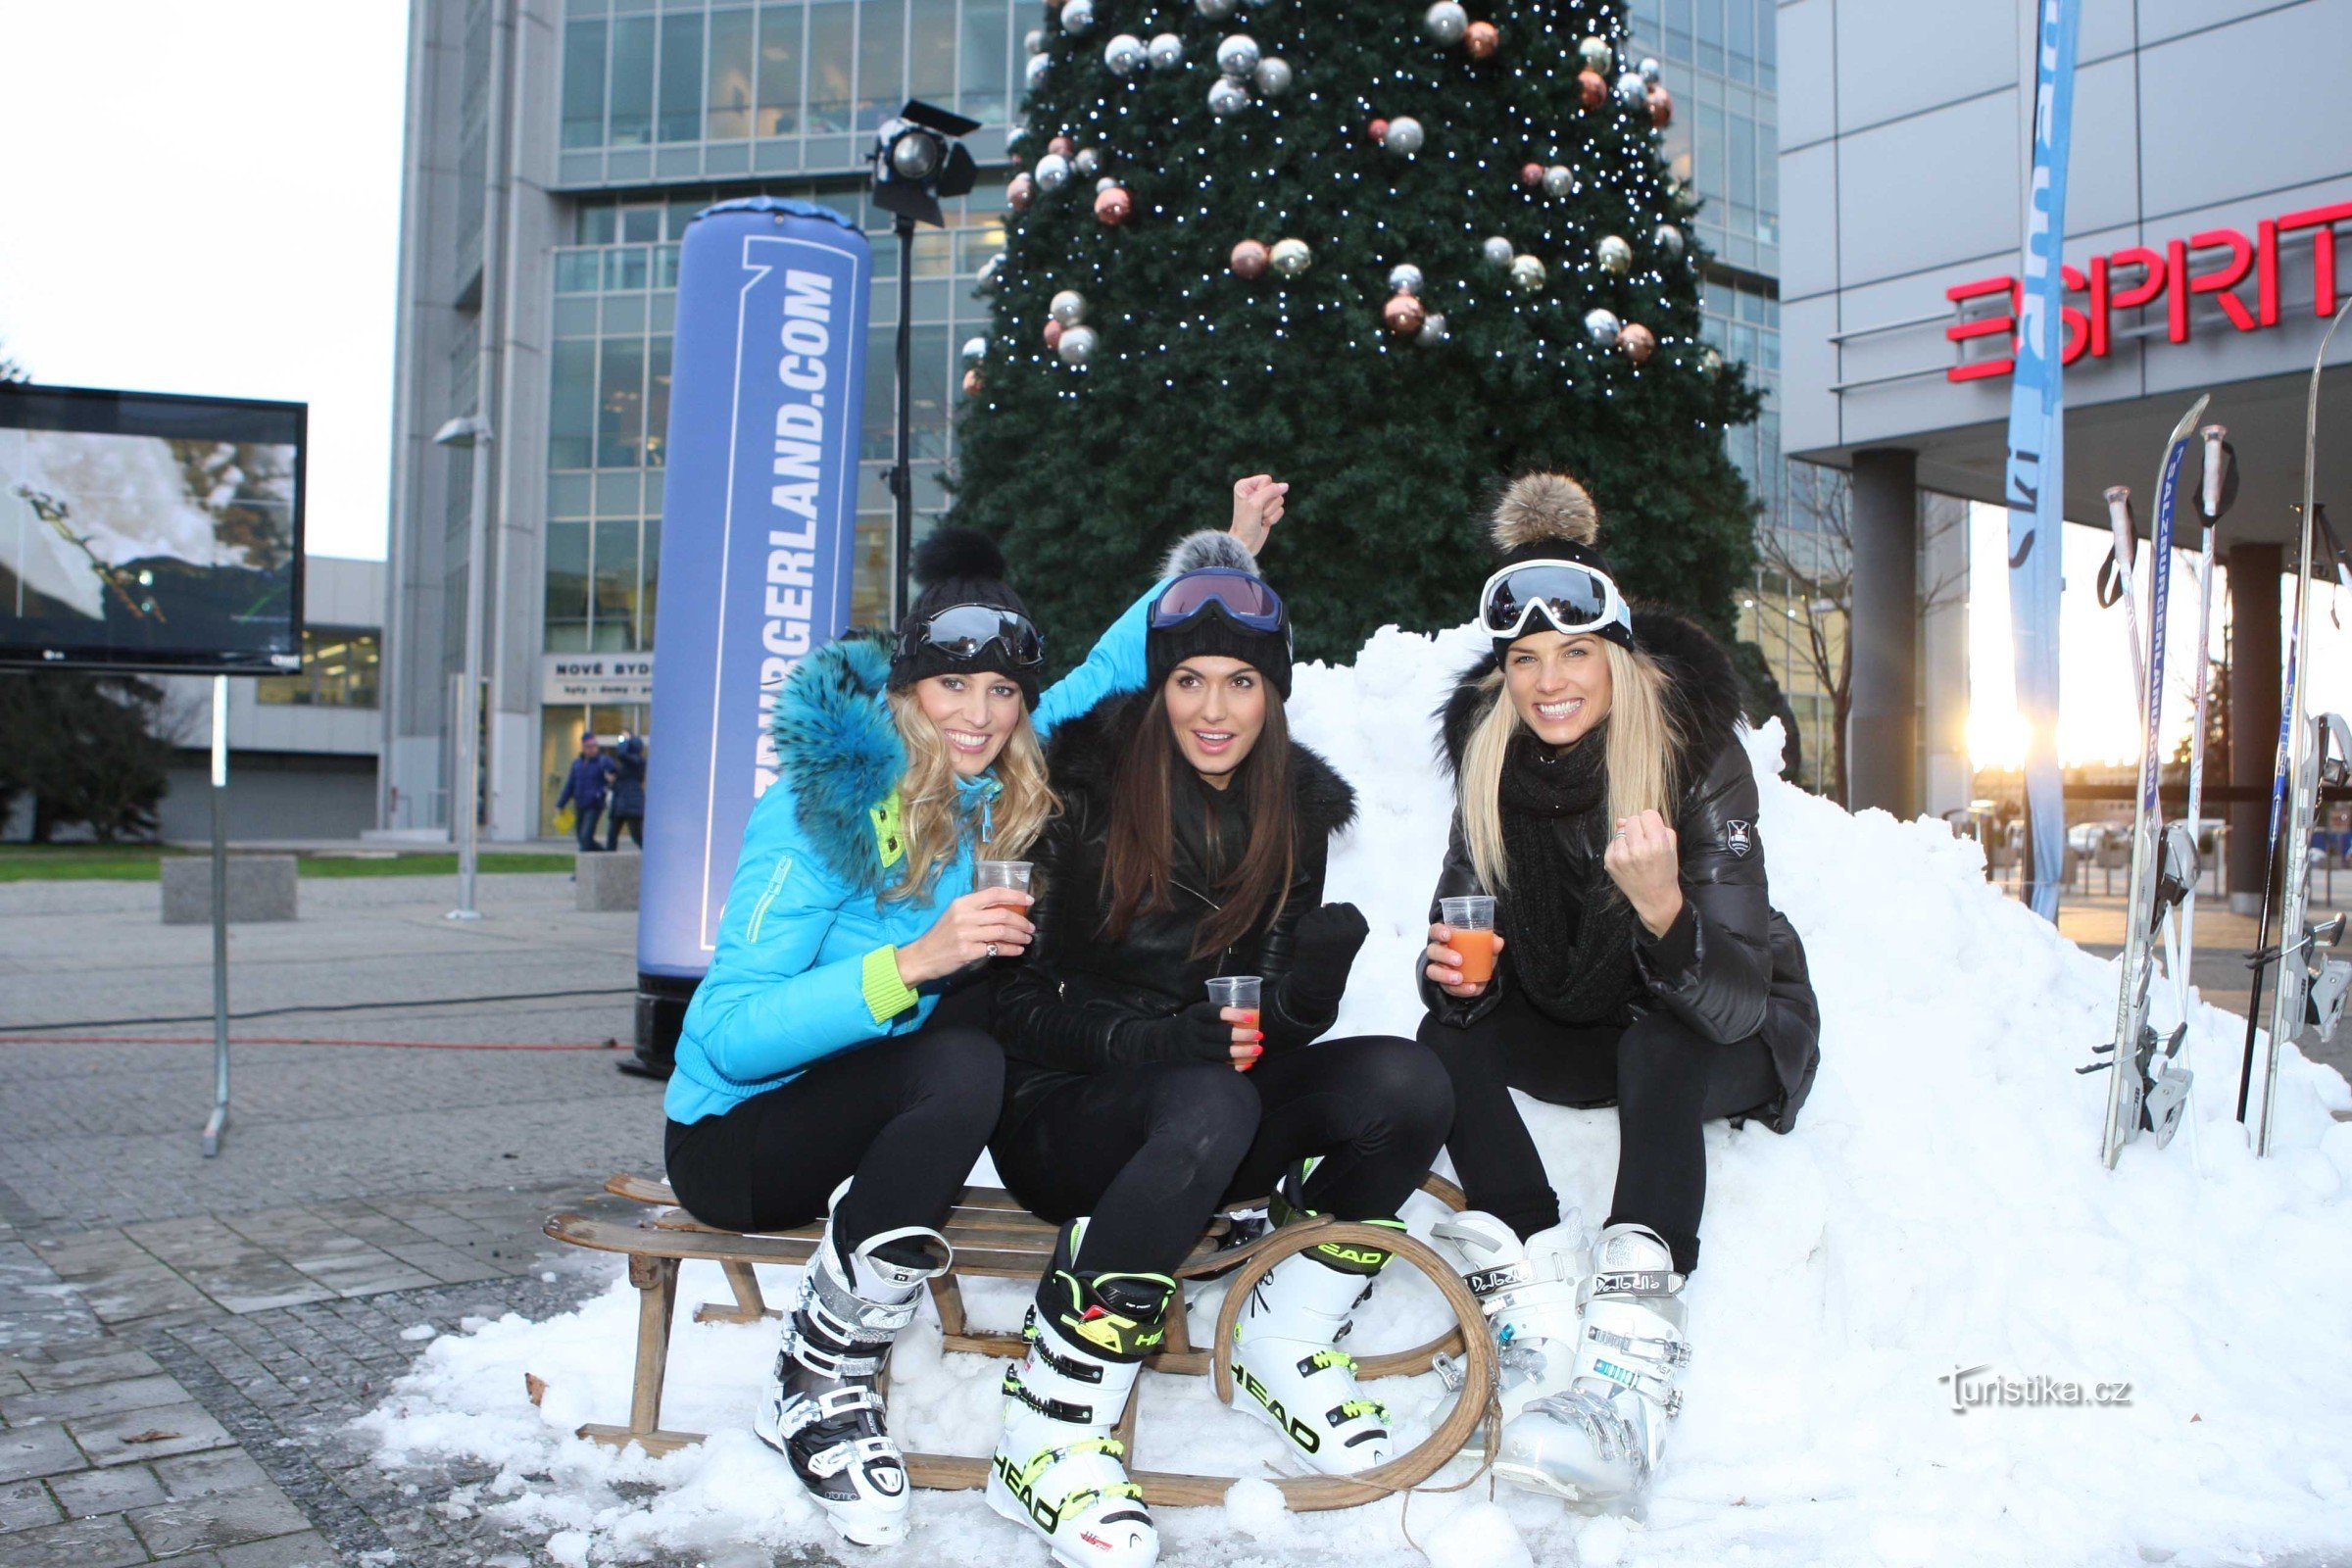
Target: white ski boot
(822, 1411)
(1287, 1360)
(1527, 1291)
(1057, 1468)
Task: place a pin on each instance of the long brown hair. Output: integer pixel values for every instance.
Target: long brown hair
(1141, 844)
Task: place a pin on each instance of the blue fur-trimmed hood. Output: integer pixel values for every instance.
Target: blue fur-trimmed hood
(836, 743)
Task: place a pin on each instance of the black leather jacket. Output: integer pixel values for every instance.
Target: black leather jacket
(1059, 1012)
(1731, 965)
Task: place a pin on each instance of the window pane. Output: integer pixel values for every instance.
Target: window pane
(931, 51)
(881, 72)
(567, 575)
(621, 405)
(780, 68)
(681, 78)
(615, 610)
(657, 401)
(931, 352)
(650, 568)
(584, 84)
(987, 61)
(624, 269)
(832, 31)
(639, 225)
(595, 224)
(576, 271)
(571, 403)
(730, 95)
(881, 385)
(633, 81)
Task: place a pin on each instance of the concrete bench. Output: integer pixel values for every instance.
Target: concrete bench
(606, 881)
(261, 887)
(993, 1235)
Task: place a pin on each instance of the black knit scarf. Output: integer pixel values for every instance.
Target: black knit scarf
(1571, 932)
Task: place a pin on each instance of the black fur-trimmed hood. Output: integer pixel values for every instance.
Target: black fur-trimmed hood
(1082, 758)
(1705, 684)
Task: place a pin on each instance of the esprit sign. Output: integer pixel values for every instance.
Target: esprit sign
(2214, 262)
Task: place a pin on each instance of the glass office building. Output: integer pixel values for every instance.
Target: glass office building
(619, 119)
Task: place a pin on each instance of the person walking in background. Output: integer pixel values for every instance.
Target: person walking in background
(628, 792)
(584, 791)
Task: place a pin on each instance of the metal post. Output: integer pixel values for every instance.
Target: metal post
(217, 1123)
(902, 471)
(467, 824)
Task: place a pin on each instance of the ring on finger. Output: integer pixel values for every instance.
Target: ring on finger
(992, 950)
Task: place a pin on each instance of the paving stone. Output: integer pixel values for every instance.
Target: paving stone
(45, 1450)
(105, 1543)
(132, 1436)
(103, 1366)
(115, 1490)
(94, 1398)
(24, 1504)
(217, 1521)
(310, 1549)
(202, 1475)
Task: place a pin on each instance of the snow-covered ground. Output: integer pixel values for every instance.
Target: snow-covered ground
(1939, 1209)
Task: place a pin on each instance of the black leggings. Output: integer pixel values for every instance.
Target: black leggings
(1667, 1083)
(903, 1117)
(1150, 1152)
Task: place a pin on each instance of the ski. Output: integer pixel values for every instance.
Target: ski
(2132, 1053)
(2294, 787)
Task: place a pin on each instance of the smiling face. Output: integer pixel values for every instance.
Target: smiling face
(1560, 685)
(1217, 708)
(974, 714)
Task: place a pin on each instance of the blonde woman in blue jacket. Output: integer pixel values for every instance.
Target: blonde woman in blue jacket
(811, 1077)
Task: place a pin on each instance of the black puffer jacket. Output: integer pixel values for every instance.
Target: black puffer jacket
(1731, 965)
(1059, 1010)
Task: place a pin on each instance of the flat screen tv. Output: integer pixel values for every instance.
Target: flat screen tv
(149, 532)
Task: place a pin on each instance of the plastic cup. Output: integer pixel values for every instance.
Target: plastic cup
(1238, 991)
(1014, 875)
(1471, 919)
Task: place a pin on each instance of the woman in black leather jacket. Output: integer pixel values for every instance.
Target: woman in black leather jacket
(1191, 843)
(1604, 800)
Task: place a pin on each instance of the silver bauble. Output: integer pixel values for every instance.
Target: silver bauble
(1088, 163)
(975, 349)
(1615, 255)
(1105, 183)
(1053, 171)
(1166, 51)
(1272, 75)
(1445, 22)
(1035, 42)
(1668, 239)
(1497, 251)
(1216, 9)
(1595, 53)
(1404, 137)
(1404, 278)
(1039, 64)
(1649, 72)
(1432, 331)
(1077, 15)
(1077, 345)
(1527, 273)
(1068, 306)
(1125, 54)
(1238, 56)
(1632, 92)
(990, 270)
(1710, 362)
(1601, 327)
(1558, 181)
(1227, 96)
(1291, 256)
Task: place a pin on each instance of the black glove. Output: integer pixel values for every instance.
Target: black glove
(1200, 1033)
(1323, 949)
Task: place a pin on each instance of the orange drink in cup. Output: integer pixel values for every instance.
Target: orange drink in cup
(1238, 991)
(1471, 919)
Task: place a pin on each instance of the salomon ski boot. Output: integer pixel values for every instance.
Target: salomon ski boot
(823, 1411)
(1057, 1468)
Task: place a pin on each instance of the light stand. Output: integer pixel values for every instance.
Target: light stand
(470, 433)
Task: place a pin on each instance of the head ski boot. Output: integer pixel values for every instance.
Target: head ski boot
(1286, 1353)
(822, 1411)
(1057, 1468)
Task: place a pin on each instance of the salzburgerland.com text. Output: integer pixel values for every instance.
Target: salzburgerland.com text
(1978, 1386)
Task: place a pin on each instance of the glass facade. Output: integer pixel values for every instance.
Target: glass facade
(341, 667)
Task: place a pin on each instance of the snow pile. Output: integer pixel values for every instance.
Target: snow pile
(1939, 1209)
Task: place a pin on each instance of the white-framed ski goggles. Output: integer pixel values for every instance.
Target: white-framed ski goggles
(1572, 597)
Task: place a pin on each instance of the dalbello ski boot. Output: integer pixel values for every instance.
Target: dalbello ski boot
(1057, 1468)
(823, 1411)
(1286, 1353)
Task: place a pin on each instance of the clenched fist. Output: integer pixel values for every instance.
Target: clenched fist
(1645, 862)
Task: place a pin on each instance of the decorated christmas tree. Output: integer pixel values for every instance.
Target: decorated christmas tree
(1389, 253)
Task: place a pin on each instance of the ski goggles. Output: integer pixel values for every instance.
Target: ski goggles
(1573, 598)
(1247, 600)
(964, 633)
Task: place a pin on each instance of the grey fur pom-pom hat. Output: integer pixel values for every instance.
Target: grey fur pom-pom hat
(1212, 633)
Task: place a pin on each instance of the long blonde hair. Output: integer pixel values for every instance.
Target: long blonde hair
(1643, 740)
(931, 823)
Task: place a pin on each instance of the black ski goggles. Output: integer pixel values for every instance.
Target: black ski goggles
(966, 633)
(1247, 600)
(1573, 598)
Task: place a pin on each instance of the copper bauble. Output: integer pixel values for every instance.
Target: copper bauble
(1590, 89)
(1019, 193)
(1403, 316)
(1638, 342)
(1062, 145)
(1248, 260)
(1114, 206)
(1531, 174)
(1661, 107)
(1482, 40)
(971, 383)
(1054, 331)
(1378, 130)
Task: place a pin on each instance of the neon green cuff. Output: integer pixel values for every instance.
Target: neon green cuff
(886, 994)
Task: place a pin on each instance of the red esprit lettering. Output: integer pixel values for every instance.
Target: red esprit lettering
(2322, 220)
(2005, 325)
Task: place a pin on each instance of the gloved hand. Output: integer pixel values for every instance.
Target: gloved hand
(1323, 950)
(1200, 1033)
